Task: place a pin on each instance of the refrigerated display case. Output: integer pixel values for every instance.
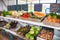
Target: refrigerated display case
(20, 22)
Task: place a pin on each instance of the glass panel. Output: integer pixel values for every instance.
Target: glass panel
(29, 1)
(21, 1)
(30, 7)
(32, 1)
(35, 1)
(58, 1)
(11, 2)
(45, 8)
(47, 1)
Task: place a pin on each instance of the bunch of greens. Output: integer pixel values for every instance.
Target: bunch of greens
(4, 13)
(33, 16)
(24, 30)
(32, 33)
(53, 15)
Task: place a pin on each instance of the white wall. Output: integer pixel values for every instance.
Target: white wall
(44, 8)
(58, 1)
(13, 2)
(10, 2)
(2, 6)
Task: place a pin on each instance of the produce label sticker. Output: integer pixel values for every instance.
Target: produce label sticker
(38, 38)
(55, 8)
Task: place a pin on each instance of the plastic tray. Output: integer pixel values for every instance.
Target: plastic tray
(51, 23)
(48, 29)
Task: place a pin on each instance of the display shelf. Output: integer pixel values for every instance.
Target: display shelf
(30, 22)
(13, 33)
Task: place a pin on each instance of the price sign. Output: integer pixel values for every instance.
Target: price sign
(24, 7)
(14, 7)
(37, 7)
(55, 8)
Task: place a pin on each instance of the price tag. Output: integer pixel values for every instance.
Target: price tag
(38, 38)
(55, 8)
(37, 7)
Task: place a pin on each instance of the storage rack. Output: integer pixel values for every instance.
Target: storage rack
(28, 22)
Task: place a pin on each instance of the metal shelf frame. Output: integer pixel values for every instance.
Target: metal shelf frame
(30, 22)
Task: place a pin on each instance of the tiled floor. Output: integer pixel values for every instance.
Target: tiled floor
(3, 38)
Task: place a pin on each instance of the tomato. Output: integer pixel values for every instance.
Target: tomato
(25, 15)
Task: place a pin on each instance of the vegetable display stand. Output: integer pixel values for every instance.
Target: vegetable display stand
(56, 35)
